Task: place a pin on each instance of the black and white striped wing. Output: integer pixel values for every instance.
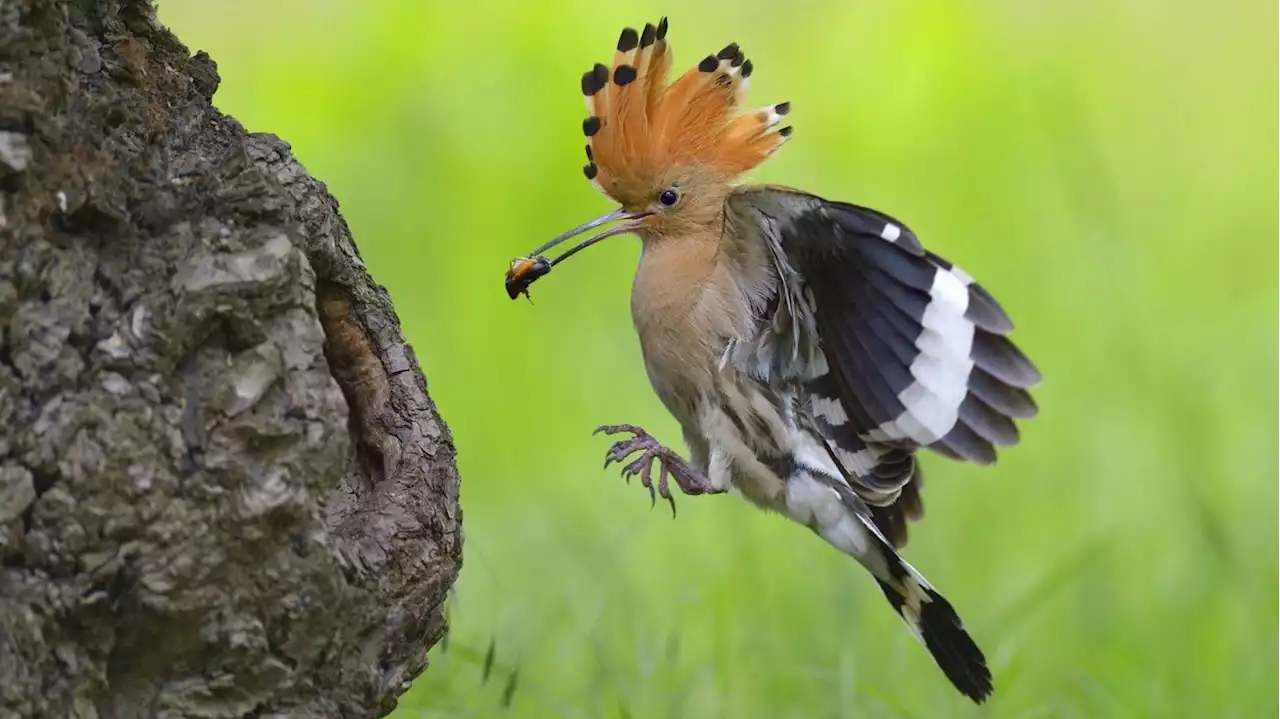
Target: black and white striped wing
(912, 352)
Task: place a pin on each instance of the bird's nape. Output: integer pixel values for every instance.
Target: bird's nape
(526, 270)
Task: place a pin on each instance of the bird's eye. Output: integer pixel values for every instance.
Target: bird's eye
(669, 198)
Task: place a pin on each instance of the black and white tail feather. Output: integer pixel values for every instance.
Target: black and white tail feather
(928, 614)
(932, 619)
(893, 349)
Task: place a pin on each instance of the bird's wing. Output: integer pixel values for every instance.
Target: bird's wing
(892, 347)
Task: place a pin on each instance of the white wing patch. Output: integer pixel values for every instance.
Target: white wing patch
(829, 409)
(941, 371)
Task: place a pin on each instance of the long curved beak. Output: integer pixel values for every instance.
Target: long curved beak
(630, 221)
(525, 271)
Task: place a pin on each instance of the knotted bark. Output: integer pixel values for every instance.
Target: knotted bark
(224, 490)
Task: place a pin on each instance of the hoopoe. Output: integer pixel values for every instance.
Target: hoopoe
(807, 347)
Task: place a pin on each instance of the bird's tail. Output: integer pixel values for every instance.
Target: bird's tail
(932, 619)
(843, 520)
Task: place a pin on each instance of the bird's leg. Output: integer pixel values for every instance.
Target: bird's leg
(671, 465)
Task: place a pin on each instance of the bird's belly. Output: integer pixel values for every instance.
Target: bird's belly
(743, 422)
(765, 490)
(678, 361)
(750, 429)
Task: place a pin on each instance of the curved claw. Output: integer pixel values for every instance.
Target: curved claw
(640, 464)
(672, 466)
(616, 428)
(647, 476)
(620, 451)
(664, 489)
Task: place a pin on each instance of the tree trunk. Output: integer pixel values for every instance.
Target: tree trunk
(224, 490)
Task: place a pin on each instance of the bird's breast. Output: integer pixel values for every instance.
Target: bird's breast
(685, 308)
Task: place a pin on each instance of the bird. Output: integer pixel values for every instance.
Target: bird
(808, 348)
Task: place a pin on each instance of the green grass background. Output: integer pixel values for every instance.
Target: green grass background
(1108, 169)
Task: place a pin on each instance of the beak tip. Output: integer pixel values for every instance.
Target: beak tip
(524, 271)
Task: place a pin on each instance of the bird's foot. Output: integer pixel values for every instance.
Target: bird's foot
(670, 465)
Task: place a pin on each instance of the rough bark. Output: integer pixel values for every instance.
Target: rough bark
(224, 490)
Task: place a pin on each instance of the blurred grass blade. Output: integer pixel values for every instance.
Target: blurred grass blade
(1065, 572)
(509, 692)
(489, 657)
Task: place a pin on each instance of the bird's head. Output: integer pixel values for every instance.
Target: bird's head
(666, 152)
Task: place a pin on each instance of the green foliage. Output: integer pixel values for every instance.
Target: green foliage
(1108, 170)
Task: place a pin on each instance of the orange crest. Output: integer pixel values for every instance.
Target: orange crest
(640, 126)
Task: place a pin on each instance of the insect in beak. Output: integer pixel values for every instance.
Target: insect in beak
(524, 271)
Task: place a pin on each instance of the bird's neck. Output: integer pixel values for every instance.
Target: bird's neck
(686, 304)
(675, 273)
